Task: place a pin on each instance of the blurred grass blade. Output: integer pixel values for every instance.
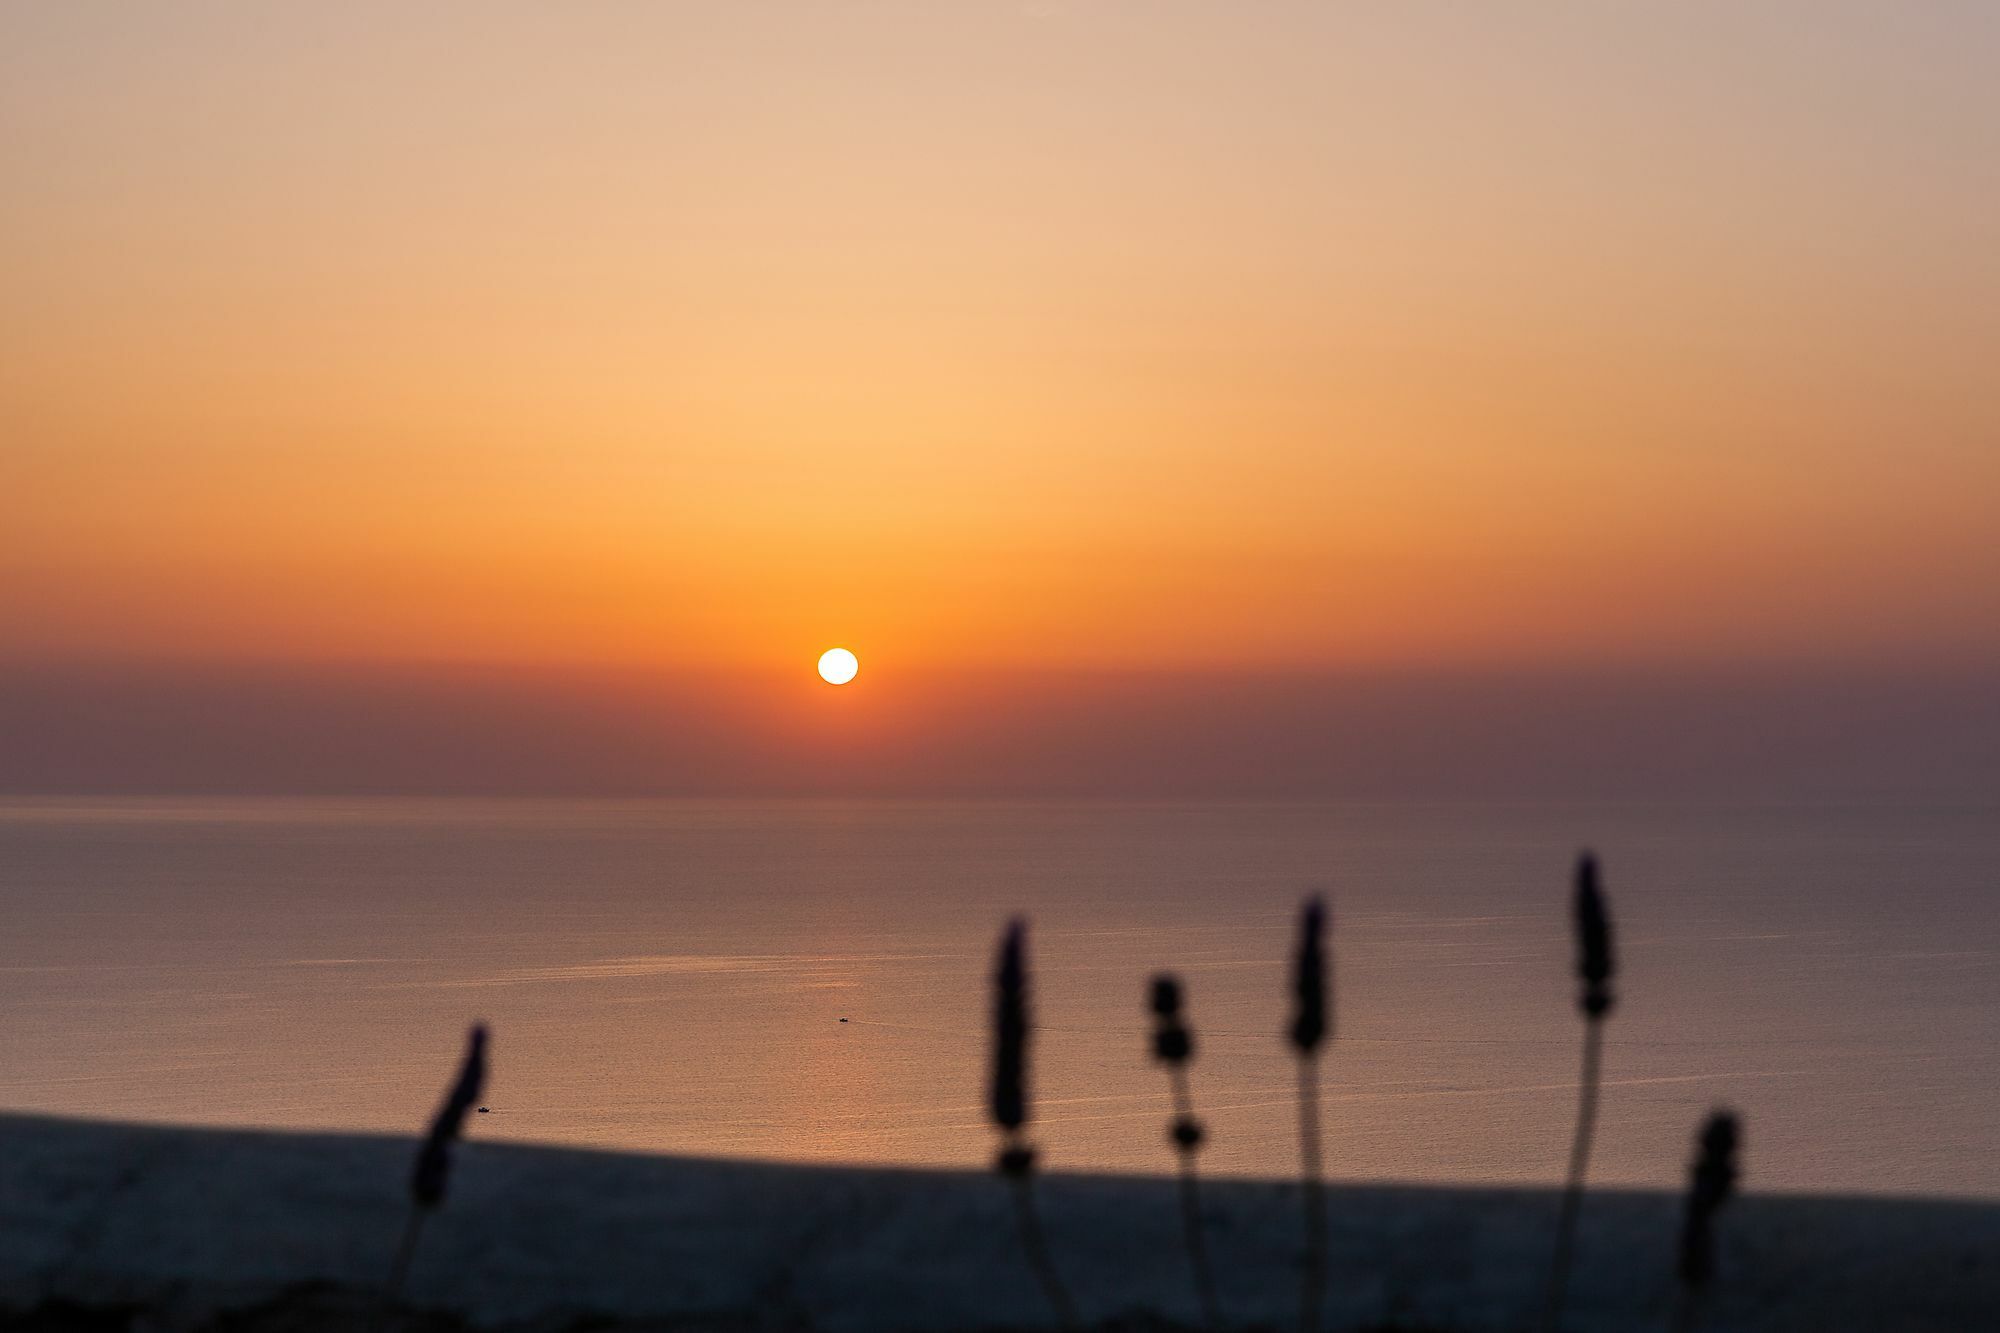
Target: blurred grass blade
(1311, 1025)
(1007, 1103)
(1595, 964)
(432, 1172)
(1173, 1046)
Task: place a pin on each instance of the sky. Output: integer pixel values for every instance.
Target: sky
(1222, 368)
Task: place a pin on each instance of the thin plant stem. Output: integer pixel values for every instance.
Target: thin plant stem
(1312, 1282)
(1685, 1308)
(1579, 1165)
(1190, 1191)
(1037, 1246)
(399, 1271)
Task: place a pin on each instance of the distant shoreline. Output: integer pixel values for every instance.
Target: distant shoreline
(297, 1228)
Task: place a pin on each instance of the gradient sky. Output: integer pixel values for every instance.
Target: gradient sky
(1206, 341)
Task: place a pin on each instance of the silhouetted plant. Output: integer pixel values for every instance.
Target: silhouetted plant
(1310, 1027)
(1009, 1106)
(1594, 967)
(1711, 1179)
(433, 1166)
(1173, 1046)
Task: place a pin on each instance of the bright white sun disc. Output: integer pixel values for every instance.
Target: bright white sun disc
(837, 666)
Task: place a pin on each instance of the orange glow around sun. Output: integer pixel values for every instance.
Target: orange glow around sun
(843, 329)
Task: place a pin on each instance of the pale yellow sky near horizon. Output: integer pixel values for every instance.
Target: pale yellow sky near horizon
(1051, 334)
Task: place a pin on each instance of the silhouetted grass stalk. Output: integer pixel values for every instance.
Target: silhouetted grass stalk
(1309, 1030)
(1173, 1046)
(432, 1172)
(406, 1250)
(1595, 965)
(1009, 1106)
(1711, 1179)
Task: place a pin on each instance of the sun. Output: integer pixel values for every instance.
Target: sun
(837, 666)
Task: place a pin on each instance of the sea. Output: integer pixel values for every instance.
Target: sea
(810, 981)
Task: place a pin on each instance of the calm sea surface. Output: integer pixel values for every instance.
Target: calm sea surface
(671, 976)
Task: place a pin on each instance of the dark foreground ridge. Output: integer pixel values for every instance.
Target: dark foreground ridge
(116, 1227)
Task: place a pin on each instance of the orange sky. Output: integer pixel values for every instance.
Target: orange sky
(1058, 335)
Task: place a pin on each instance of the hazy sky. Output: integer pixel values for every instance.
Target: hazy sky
(1186, 338)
